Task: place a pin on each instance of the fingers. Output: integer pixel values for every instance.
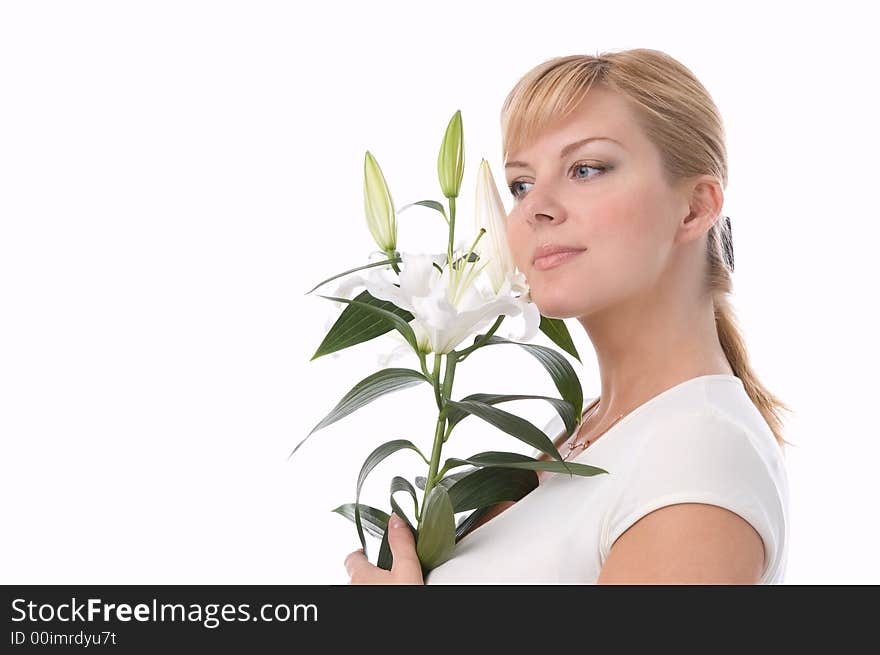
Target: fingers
(403, 549)
(353, 561)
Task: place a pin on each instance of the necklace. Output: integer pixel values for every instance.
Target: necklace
(587, 442)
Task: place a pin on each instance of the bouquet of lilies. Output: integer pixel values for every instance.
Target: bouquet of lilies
(435, 302)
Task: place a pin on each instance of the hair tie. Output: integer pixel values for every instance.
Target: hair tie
(727, 242)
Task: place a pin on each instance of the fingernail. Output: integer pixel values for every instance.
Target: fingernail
(396, 521)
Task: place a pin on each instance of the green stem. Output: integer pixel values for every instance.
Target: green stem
(451, 229)
(424, 365)
(440, 430)
(392, 254)
(442, 472)
(436, 380)
(447, 433)
(449, 375)
(435, 459)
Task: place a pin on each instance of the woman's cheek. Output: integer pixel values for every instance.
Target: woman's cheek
(635, 262)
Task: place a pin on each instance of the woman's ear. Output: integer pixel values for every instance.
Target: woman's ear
(705, 201)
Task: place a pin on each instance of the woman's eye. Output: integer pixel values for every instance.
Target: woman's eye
(580, 165)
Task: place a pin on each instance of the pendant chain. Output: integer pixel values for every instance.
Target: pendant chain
(587, 442)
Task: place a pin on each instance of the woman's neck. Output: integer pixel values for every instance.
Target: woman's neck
(648, 347)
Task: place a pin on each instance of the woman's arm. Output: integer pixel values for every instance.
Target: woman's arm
(686, 543)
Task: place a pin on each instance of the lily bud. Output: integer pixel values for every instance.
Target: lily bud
(450, 161)
(378, 206)
(489, 214)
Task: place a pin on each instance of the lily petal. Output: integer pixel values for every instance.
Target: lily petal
(531, 320)
(489, 214)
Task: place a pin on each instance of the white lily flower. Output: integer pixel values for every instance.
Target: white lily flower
(352, 286)
(402, 348)
(447, 304)
(489, 214)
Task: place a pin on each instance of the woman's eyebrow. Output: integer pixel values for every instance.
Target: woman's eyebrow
(567, 149)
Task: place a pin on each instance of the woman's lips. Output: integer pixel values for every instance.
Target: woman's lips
(551, 261)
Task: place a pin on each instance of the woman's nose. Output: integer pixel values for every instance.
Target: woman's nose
(540, 206)
(543, 211)
(542, 217)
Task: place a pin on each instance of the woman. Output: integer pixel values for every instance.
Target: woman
(618, 164)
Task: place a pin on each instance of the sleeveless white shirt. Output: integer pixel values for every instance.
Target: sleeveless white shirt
(702, 440)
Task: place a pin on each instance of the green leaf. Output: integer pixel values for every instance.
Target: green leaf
(380, 453)
(356, 324)
(487, 486)
(391, 317)
(385, 559)
(366, 391)
(447, 481)
(353, 270)
(509, 484)
(558, 333)
(374, 520)
(517, 460)
(433, 204)
(564, 377)
(468, 522)
(436, 538)
(399, 483)
(564, 408)
(509, 423)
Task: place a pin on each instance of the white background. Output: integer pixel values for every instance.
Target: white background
(175, 175)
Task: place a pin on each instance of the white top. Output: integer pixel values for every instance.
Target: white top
(702, 440)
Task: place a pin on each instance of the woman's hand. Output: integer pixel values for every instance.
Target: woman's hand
(406, 568)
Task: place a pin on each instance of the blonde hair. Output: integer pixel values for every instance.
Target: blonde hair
(679, 116)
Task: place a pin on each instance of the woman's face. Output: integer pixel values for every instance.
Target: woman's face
(625, 216)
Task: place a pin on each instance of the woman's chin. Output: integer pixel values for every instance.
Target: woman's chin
(553, 307)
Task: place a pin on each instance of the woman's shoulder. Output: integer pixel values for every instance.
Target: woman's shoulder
(707, 456)
(711, 433)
